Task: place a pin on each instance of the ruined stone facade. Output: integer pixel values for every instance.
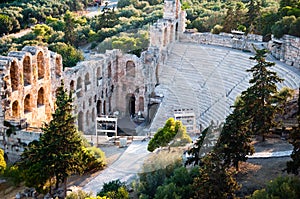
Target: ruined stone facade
(29, 80)
(287, 50)
(105, 84)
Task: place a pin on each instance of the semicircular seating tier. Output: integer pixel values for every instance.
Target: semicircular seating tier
(208, 79)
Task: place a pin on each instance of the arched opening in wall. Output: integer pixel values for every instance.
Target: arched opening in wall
(130, 105)
(72, 85)
(104, 107)
(87, 118)
(26, 71)
(79, 87)
(14, 76)
(99, 107)
(130, 69)
(117, 71)
(176, 31)
(41, 100)
(80, 121)
(156, 74)
(99, 73)
(15, 109)
(58, 66)
(109, 70)
(87, 81)
(141, 104)
(93, 115)
(171, 33)
(40, 64)
(109, 105)
(27, 104)
(165, 37)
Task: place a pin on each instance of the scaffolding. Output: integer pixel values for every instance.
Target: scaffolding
(187, 117)
(105, 126)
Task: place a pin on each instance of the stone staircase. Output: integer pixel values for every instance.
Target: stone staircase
(207, 79)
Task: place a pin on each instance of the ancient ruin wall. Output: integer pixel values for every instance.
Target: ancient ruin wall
(26, 85)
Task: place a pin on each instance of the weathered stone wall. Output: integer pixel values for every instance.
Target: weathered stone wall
(287, 50)
(27, 81)
(235, 41)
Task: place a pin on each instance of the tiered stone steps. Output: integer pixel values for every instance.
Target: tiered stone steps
(208, 79)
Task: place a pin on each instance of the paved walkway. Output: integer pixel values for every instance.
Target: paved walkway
(125, 168)
(275, 154)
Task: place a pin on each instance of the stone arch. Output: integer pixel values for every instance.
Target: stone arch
(79, 87)
(41, 65)
(109, 70)
(87, 81)
(99, 73)
(14, 76)
(15, 109)
(26, 71)
(80, 121)
(99, 107)
(87, 118)
(130, 101)
(141, 103)
(93, 115)
(41, 97)
(58, 66)
(109, 105)
(104, 107)
(171, 33)
(165, 37)
(130, 69)
(27, 104)
(72, 85)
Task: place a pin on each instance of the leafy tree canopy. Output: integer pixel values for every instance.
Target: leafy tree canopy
(164, 136)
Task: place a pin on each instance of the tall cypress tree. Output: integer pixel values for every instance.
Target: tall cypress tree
(62, 139)
(259, 98)
(58, 153)
(235, 139)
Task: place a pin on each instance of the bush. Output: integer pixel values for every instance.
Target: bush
(69, 54)
(80, 194)
(13, 175)
(114, 190)
(217, 29)
(2, 162)
(280, 187)
(95, 158)
(156, 169)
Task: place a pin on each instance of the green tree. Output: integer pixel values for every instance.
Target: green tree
(6, 24)
(259, 97)
(215, 180)
(235, 139)
(294, 139)
(179, 185)
(58, 154)
(281, 187)
(295, 27)
(70, 25)
(251, 16)
(164, 136)
(71, 56)
(283, 26)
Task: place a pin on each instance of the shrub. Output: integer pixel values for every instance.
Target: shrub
(217, 29)
(114, 190)
(95, 158)
(80, 194)
(280, 187)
